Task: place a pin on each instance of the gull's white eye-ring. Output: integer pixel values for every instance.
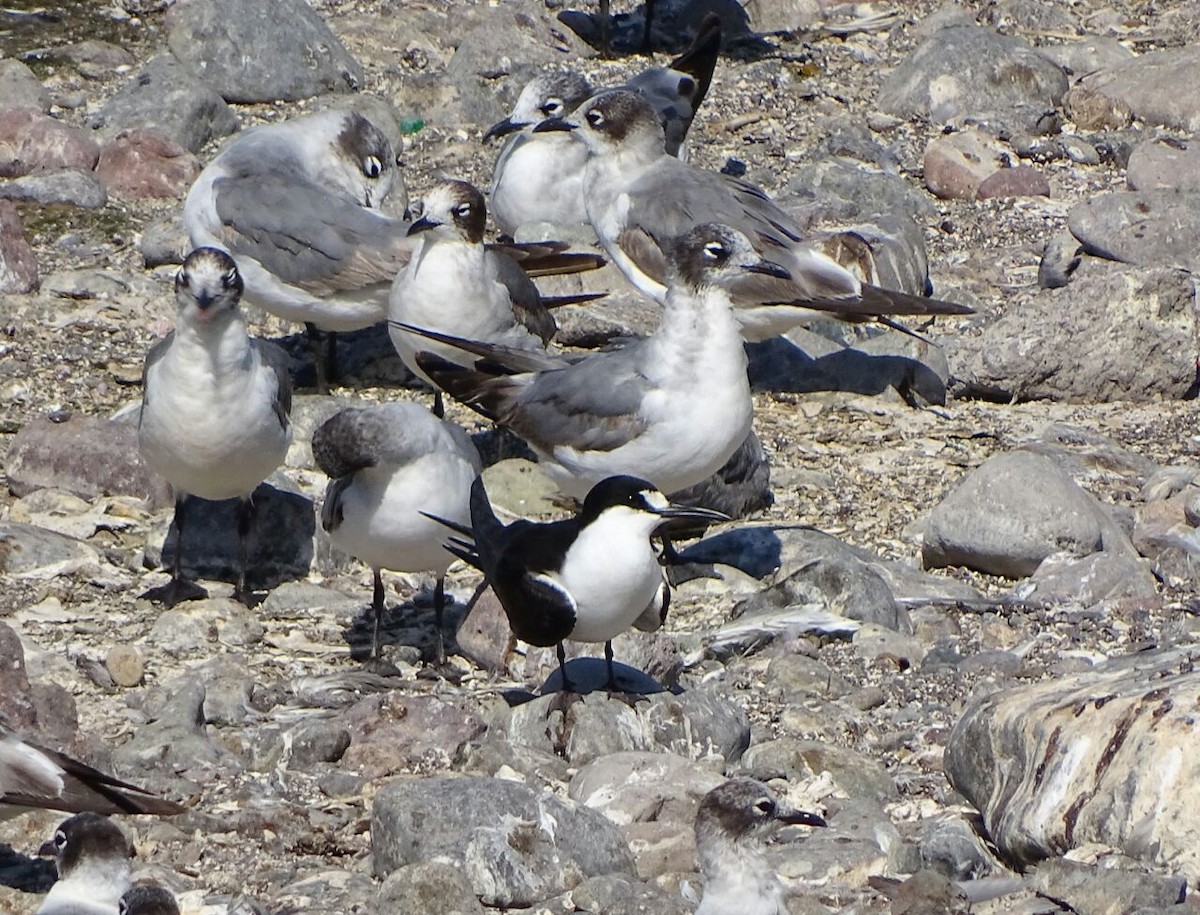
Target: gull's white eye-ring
(715, 251)
(372, 167)
(595, 118)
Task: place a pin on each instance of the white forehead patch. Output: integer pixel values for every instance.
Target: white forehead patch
(655, 499)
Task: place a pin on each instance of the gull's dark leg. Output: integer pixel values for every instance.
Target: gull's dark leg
(646, 23)
(608, 659)
(439, 608)
(177, 589)
(244, 521)
(562, 668)
(180, 514)
(377, 608)
(605, 35)
(324, 355)
(439, 406)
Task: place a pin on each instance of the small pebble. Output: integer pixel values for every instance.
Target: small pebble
(125, 665)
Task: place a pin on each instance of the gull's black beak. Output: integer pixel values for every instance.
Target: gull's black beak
(503, 129)
(424, 224)
(800, 818)
(48, 849)
(768, 268)
(554, 124)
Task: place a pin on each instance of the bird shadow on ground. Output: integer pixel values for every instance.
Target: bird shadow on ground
(408, 628)
(29, 875)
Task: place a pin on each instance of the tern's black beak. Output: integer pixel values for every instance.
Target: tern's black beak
(800, 818)
(424, 224)
(768, 268)
(684, 520)
(554, 124)
(503, 128)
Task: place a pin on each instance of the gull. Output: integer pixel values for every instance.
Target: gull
(539, 177)
(587, 578)
(455, 284)
(670, 408)
(388, 465)
(215, 405)
(36, 777)
(297, 205)
(92, 857)
(732, 821)
(148, 900)
(638, 198)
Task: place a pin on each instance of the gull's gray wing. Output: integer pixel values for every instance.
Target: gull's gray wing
(306, 236)
(275, 360)
(157, 351)
(526, 301)
(593, 405)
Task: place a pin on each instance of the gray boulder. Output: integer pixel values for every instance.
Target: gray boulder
(1141, 227)
(261, 50)
(1156, 88)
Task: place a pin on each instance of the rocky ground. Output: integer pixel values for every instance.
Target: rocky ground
(1052, 489)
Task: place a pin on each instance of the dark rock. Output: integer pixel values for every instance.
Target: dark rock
(68, 185)
(18, 262)
(1060, 259)
(16, 699)
(144, 163)
(98, 59)
(20, 88)
(485, 638)
(392, 733)
(1154, 87)
(614, 895)
(1115, 333)
(431, 886)
(1020, 181)
(165, 242)
(166, 97)
(319, 741)
(31, 142)
(1140, 227)
(261, 50)
(1156, 165)
(1070, 761)
(1011, 513)
(950, 847)
(516, 846)
(26, 550)
(819, 189)
(279, 546)
(972, 71)
(86, 455)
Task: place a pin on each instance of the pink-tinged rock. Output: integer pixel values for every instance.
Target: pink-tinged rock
(18, 263)
(957, 164)
(33, 142)
(144, 163)
(1022, 181)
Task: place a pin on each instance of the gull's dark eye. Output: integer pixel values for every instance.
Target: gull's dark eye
(595, 118)
(398, 162)
(463, 210)
(764, 807)
(181, 278)
(229, 277)
(372, 167)
(715, 251)
(552, 108)
(60, 839)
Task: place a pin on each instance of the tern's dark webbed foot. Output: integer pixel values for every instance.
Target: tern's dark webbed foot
(176, 591)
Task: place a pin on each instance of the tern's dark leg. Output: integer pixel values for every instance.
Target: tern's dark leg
(562, 668)
(377, 608)
(244, 521)
(324, 353)
(608, 659)
(439, 611)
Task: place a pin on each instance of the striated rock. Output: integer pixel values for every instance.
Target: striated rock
(20, 88)
(1107, 756)
(1010, 514)
(86, 455)
(1114, 333)
(166, 97)
(31, 142)
(18, 262)
(1158, 165)
(144, 163)
(1021, 181)
(516, 846)
(1155, 87)
(957, 164)
(965, 70)
(33, 552)
(696, 723)
(1145, 227)
(261, 50)
(69, 185)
